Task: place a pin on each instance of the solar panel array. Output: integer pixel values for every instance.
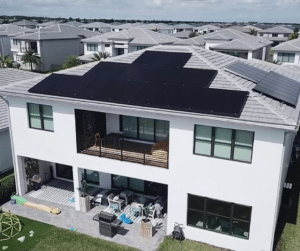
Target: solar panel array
(280, 88)
(248, 71)
(155, 79)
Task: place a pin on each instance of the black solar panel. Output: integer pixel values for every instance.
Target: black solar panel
(280, 88)
(247, 71)
(161, 58)
(164, 87)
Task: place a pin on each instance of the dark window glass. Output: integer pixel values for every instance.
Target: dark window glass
(64, 171)
(40, 117)
(196, 202)
(240, 228)
(241, 212)
(92, 177)
(218, 207)
(218, 223)
(195, 218)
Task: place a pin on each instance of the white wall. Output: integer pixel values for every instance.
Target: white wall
(297, 57)
(5, 151)
(258, 54)
(5, 46)
(255, 184)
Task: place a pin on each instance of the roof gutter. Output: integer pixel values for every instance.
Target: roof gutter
(11, 143)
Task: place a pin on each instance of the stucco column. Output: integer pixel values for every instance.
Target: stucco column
(38, 43)
(20, 177)
(264, 54)
(250, 54)
(76, 183)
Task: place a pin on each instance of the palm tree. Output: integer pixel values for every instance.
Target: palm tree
(6, 61)
(295, 35)
(253, 32)
(98, 56)
(71, 61)
(31, 57)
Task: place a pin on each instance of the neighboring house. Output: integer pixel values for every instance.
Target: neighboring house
(276, 34)
(125, 26)
(8, 76)
(5, 31)
(205, 29)
(202, 140)
(246, 29)
(288, 52)
(122, 42)
(26, 24)
(182, 34)
(233, 42)
(45, 24)
(74, 23)
(183, 27)
(97, 27)
(52, 43)
(161, 28)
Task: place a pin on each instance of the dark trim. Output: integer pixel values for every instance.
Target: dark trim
(205, 214)
(121, 123)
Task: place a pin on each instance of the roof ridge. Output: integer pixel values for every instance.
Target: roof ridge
(148, 35)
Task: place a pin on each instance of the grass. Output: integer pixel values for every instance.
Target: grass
(187, 245)
(51, 238)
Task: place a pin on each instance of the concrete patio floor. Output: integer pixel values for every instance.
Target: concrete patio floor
(128, 235)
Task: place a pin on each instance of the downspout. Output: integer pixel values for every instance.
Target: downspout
(11, 144)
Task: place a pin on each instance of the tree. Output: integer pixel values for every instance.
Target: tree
(31, 168)
(31, 57)
(193, 34)
(6, 61)
(295, 35)
(98, 56)
(253, 32)
(296, 30)
(71, 61)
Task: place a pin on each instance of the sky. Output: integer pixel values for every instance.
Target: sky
(179, 10)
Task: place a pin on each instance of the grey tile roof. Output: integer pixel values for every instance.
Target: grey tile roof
(135, 36)
(233, 38)
(156, 27)
(73, 23)
(277, 38)
(278, 29)
(209, 27)
(128, 25)
(8, 29)
(58, 31)
(8, 77)
(48, 23)
(259, 109)
(183, 26)
(181, 34)
(95, 25)
(292, 45)
(25, 22)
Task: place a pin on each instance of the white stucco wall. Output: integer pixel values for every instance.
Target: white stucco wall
(258, 54)
(5, 46)
(255, 184)
(5, 151)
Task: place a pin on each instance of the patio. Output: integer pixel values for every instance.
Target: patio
(128, 234)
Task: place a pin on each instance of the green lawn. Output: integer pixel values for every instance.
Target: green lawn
(51, 238)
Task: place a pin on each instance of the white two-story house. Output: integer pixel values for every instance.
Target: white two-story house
(205, 29)
(276, 34)
(53, 44)
(288, 53)
(189, 125)
(97, 27)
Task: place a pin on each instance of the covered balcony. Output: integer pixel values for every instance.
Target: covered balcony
(125, 138)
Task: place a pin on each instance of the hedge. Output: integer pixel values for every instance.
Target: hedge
(7, 188)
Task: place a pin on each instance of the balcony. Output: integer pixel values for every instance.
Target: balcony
(123, 138)
(24, 49)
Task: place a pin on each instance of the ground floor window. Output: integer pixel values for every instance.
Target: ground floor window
(91, 177)
(64, 171)
(219, 216)
(286, 57)
(122, 182)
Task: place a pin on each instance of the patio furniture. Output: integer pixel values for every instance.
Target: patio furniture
(97, 200)
(115, 203)
(127, 196)
(113, 139)
(108, 224)
(136, 208)
(98, 139)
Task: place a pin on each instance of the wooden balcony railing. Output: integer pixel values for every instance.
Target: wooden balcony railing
(121, 149)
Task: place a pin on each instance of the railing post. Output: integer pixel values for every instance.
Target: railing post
(168, 159)
(122, 150)
(100, 151)
(144, 157)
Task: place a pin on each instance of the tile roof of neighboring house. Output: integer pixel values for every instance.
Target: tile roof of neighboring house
(58, 31)
(95, 25)
(183, 26)
(229, 38)
(258, 110)
(8, 77)
(252, 27)
(7, 29)
(278, 29)
(291, 45)
(137, 36)
(277, 38)
(73, 23)
(156, 27)
(25, 22)
(48, 23)
(181, 34)
(127, 26)
(209, 27)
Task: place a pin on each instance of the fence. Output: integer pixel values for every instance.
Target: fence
(7, 188)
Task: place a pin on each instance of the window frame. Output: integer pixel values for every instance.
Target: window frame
(41, 117)
(15, 42)
(138, 128)
(287, 55)
(233, 144)
(231, 217)
(89, 45)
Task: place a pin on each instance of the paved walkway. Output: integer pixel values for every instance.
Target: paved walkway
(128, 235)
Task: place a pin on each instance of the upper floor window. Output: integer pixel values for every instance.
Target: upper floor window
(15, 42)
(144, 128)
(92, 47)
(274, 35)
(107, 45)
(286, 57)
(219, 216)
(40, 117)
(223, 143)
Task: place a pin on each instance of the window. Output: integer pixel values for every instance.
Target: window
(145, 129)
(274, 35)
(286, 57)
(223, 143)
(91, 177)
(15, 42)
(92, 47)
(138, 47)
(107, 45)
(219, 216)
(40, 117)
(128, 183)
